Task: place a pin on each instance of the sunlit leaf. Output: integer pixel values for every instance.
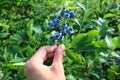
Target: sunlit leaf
(82, 6)
(109, 15)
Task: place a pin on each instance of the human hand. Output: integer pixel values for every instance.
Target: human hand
(36, 70)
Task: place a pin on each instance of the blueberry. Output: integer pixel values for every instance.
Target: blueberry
(56, 22)
(69, 30)
(99, 69)
(56, 35)
(72, 13)
(64, 26)
(117, 60)
(110, 60)
(66, 15)
(60, 37)
(51, 23)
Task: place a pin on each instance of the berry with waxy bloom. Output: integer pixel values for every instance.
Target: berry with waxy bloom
(72, 13)
(51, 23)
(55, 22)
(117, 60)
(67, 29)
(66, 15)
(55, 36)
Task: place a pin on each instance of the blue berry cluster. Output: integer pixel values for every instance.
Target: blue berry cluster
(116, 60)
(65, 28)
(55, 36)
(67, 13)
(55, 22)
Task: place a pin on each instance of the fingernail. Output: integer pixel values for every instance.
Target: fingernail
(62, 47)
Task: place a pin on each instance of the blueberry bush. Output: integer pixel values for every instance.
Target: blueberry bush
(90, 30)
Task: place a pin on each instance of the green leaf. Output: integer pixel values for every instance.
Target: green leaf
(116, 42)
(92, 35)
(79, 40)
(82, 6)
(29, 50)
(88, 47)
(29, 28)
(100, 43)
(84, 38)
(115, 68)
(37, 29)
(18, 50)
(16, 37)
(100, 60)
(115, 54)
(109, 15)
(74, 56)
(15, 60)
(95, 74)
(19, 64)
(70, 77)
(3, 35)
(45, 25)
(30, 23)
(108, 39)
(76, 20)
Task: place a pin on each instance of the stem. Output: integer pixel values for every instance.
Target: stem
(79, 30)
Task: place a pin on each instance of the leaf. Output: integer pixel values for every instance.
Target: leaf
(116, 42)
(15, 60)
(92, 35)
(89, 47)
(74, 56)
(108, 40)
(70, 54)
(37, 29)
(109, 15)
(3, 35)
(79, 40)
(84, 41)
(95, 74)
(115, 54)
(100, 43)
(45, 25)
(19, 64)
(115, 68)
(30, 23)
(29, 30)
(76, 20)
(16, 37)
(18, 50)
(82, 6)
(29, 50)
(88, 13)
(84, 38)
(100, 60)
(70, 77)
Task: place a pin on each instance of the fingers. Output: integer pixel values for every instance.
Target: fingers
(41, 54)
(58, 55)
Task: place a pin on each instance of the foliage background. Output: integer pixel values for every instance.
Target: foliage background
(24, 27)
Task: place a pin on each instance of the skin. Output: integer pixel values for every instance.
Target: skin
(36, 70)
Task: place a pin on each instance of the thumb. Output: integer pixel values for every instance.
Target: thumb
(59, 53)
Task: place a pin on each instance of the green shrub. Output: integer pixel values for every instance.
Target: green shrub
(93, 50)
